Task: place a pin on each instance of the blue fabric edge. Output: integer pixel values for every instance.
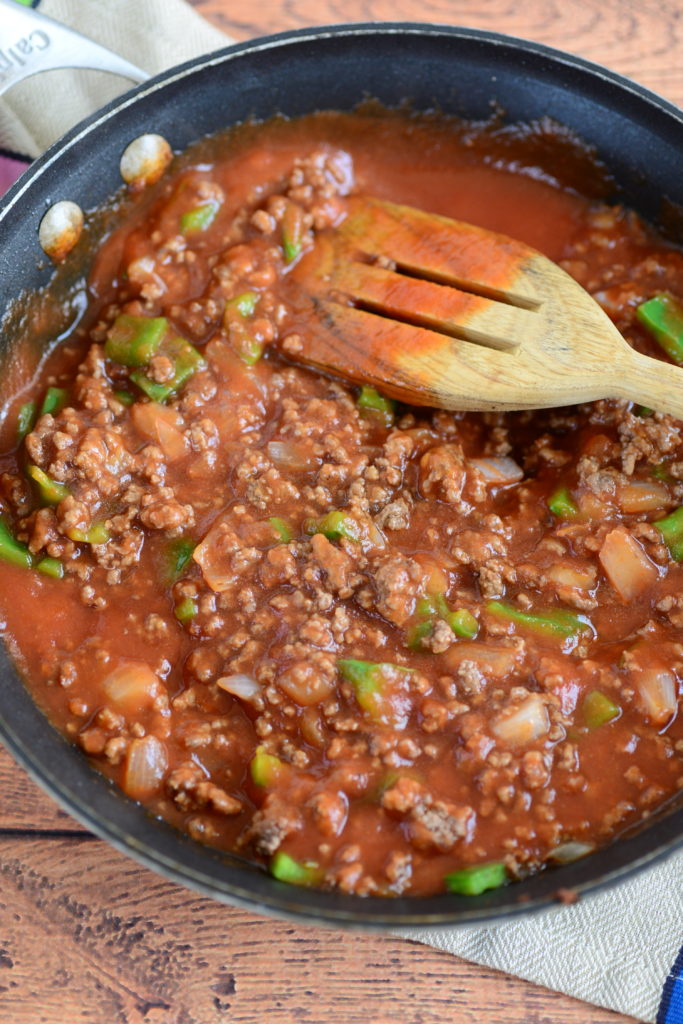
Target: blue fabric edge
(671, 1005)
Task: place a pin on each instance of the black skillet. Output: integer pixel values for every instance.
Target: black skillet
(462, 71)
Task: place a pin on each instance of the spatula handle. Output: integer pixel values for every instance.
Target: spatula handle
(651, 382)
(31, 43)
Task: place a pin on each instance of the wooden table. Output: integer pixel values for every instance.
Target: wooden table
(85, 934)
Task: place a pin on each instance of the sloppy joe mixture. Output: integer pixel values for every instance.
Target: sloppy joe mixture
(382, 649)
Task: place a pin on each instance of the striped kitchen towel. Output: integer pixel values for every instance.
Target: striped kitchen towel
(618, 949)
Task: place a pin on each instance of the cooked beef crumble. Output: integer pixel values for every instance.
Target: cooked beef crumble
(370, 646)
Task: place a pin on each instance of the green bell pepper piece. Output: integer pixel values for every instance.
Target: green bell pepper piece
(266, 769)
(11, 550)
(51, 492)
(477, 879)
(244, 304)
(428, 610)
(237, 310)
(671, 529)
(598, 709)
(292, 231)
(124, 397)
(419, 633)
(281, 528)
(369, 681)
(51, 567)
(54, 401)
(462, 622)
(176, 558)
(555, 622)
(370, 400)
(660, 472)
(186, 359)
(562, 505)
(334, 526)
(199, 218)
(95, 534)
(247, 347)
(662, 317)
(286, 869)
(186, 610)
(133, 340)
(25, 420)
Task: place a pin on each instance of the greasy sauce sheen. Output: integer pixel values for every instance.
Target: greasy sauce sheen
(367, 646)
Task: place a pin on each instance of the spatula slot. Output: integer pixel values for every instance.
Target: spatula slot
(479, 288)
(437, 307)
(451, 330)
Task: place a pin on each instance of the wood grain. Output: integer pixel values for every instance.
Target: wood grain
(638, 38)
(120, 946)
(85, 934)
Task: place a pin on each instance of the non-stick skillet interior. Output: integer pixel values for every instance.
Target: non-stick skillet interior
(464, 72)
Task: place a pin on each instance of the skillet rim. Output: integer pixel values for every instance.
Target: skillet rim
(77, 785)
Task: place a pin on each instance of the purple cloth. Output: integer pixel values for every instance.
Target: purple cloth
(10, 169)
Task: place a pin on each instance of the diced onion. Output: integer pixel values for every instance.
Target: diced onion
(500, 470)
(146, 765)
(496, 662)
(527, 722)
(240, 685)
(628, 568)
(162, 426)
(292, 456)
(173, 444)
(658, 693)
(643, 496)
(304, 684)
(570, 851)
(580, 577)
(131, 686)
(215, 557)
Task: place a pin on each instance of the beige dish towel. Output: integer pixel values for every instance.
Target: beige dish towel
(619, 949)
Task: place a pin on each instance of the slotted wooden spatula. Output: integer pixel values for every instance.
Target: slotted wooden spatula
(438, 312)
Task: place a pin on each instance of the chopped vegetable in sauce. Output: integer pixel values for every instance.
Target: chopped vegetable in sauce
(662, 317)
(370, 400)
(385, 650)
(558, 622)
(335, 526)
(599, 709)
(475, 880)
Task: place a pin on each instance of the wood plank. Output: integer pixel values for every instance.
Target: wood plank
(24, 806)
(120, 946)
(640, 40)
(116, 944)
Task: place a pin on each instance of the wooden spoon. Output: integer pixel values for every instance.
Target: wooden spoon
(442, 313)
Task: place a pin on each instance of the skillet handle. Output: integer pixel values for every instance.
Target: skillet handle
(31, 43)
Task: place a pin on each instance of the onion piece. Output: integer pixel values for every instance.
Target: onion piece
(215, 556)
(240, 685)
(305, 684)
(578, 576)
(499, 470)
(657, 690)
(628, 568)
(146, 765)
(643, 496)
(526, 722)
(292, 455)
(131, 686)
(161, 425)
(570, 851)
(494, 662)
